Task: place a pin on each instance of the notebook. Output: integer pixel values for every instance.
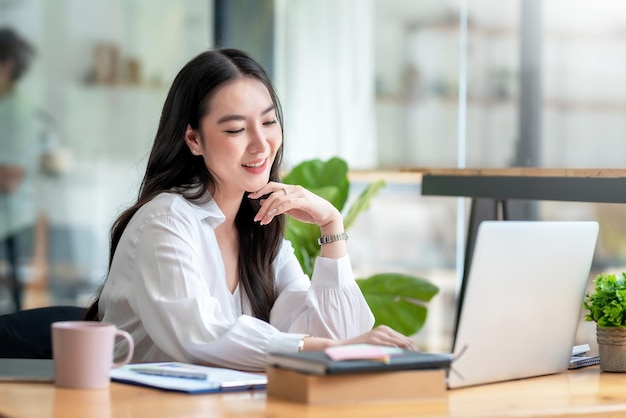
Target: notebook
(188, 378)
(523, 300)
(26, 370)
(319, 363)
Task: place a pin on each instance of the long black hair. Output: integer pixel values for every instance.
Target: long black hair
(172, 167)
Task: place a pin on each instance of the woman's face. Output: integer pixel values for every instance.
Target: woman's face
(239, 137)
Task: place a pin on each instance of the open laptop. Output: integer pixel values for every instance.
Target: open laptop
(26, 370)
(523, 300)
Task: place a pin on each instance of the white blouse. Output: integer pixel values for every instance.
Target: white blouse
(167, 287)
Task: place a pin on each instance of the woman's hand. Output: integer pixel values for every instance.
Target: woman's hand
(298, 202)
(381, 335)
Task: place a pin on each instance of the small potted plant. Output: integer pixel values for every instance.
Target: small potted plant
(606, 306)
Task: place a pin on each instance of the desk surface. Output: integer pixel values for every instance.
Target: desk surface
(584, 392)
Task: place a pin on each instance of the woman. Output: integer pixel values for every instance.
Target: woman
(199, 270)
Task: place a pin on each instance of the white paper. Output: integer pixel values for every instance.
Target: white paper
(219, 379)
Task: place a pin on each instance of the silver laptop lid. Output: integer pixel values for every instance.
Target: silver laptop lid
(28, 370)
(523, 300)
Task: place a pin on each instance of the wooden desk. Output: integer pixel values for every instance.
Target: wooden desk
(585, 392)
(491, 189)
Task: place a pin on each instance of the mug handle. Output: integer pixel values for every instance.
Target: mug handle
(131, 348)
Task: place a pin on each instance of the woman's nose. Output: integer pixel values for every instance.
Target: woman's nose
(258, 141)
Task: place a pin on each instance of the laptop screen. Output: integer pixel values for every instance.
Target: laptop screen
(523, 300)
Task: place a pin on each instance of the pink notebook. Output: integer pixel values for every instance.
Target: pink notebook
(361, 352)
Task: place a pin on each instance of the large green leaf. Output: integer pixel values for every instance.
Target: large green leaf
(405, 317)
(327, 179)
(397, 300)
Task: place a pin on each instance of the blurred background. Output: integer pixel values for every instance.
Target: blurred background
(384, 84)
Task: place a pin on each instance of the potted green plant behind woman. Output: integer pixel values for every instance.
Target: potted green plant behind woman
(606, 306)
(396, 300)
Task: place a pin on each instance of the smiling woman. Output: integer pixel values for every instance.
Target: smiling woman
(199, 268)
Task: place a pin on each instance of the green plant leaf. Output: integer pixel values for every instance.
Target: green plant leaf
(362, 202)
(397, 300)
(317, 176)
(606, 305)
(405, 317)
(304, 242)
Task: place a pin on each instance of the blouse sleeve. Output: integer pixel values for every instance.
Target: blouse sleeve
(329, 305)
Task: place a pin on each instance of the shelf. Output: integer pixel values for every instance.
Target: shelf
(122, 87)
(395, 177)
(604, 106)
(453, 26)
(508, 31)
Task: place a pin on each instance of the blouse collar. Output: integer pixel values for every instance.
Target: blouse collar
(206, 208)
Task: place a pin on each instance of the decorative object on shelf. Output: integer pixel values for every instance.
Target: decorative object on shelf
(106, 63)
(111, 67)
(396, 300)
(607, 308)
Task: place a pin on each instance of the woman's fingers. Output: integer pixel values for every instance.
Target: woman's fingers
(264, 195)
(392, 337)
(275, 197)
(383, 335)
(279, 198)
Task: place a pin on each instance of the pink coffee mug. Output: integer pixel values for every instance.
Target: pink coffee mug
(83, 353)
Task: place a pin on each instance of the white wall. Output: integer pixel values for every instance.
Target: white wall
(583, 84)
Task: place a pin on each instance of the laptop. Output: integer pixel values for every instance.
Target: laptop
(26, 370)
(523, 300)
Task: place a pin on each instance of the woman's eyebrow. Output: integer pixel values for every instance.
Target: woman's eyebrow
(228, 118)
(268, 110)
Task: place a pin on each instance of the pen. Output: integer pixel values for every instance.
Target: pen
(170, 373)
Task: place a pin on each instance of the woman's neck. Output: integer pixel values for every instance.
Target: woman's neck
(228, 205)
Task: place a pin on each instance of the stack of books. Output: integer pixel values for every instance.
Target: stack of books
(357, 373)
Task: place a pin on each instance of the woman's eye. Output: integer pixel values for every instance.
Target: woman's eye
(271, 122)
(234, 131)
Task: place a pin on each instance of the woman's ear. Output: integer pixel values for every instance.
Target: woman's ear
(193, 140)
